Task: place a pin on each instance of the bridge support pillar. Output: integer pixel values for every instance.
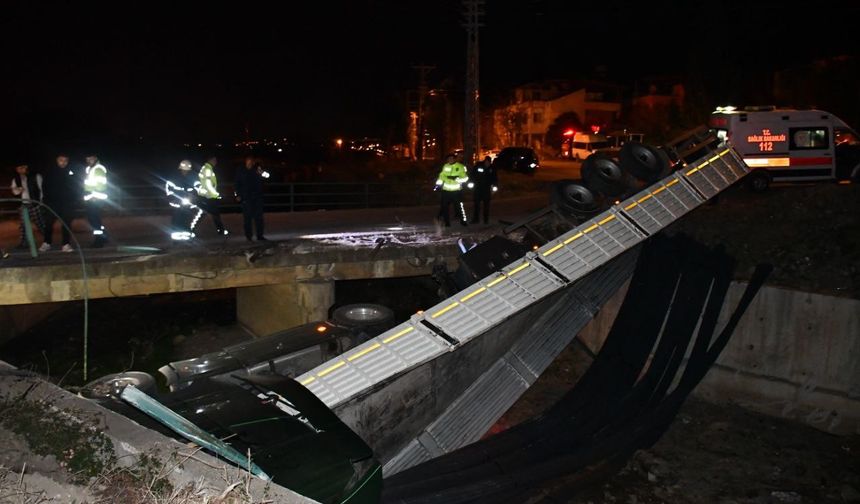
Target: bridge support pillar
(266, 309)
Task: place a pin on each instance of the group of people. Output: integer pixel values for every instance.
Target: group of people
(191, 195)
(452, 179)
(56, 194)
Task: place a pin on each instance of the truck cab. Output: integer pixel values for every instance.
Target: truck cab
(788, 145)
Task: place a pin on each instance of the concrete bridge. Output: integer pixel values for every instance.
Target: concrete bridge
(281, 283)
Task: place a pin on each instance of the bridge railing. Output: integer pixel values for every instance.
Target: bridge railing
(144, 199)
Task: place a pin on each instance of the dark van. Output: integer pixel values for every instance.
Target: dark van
(521, 159)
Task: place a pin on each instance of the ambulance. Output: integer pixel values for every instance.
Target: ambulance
(787, 145)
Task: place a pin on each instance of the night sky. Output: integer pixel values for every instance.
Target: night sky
(201, 72)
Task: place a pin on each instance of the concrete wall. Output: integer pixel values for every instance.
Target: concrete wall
(130, 440)
(794, 355)
(266, 309)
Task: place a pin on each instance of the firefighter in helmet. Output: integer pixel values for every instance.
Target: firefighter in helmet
(181, 191)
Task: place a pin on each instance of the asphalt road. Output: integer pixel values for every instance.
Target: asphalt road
(557, 169)
(151, 231)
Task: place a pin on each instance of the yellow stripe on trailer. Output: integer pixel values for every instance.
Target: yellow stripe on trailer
(331, 368)
(518, 269)
(550, 251)
(364, 352)
(394, 337)
(470, 296)
(494, 282)
(574, 237)
(443, 310)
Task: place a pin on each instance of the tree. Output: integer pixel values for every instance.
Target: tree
(562, 123)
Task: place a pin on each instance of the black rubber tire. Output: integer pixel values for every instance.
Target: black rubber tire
(569, 196)
(602, 174)
(758, 181)
(644, 162)
(111, 386)
(362, 315)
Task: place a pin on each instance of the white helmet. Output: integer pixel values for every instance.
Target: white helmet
(185, 165)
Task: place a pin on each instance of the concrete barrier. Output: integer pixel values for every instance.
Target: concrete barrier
(182, 464)
(794, 355)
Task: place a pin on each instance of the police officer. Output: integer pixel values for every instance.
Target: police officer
(209, 196)
(95, 197)
(451, 180)
(61, 192)
(484, 183)
(249, 192)
(181, 191)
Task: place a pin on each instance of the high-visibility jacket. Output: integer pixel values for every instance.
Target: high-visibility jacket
(181, 189)
(452, 176)
(208, 182)
(95, 183)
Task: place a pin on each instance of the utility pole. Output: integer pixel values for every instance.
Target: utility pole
(422, 70)
(473, 10)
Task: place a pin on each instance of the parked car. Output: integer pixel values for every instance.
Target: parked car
(521, 159)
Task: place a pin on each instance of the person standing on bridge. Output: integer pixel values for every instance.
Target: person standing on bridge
(95, 197)
(181, 191)
(249, 193)
(209, 195)
(61, 192)
(28, 188)
(484, 185)
(451, 180)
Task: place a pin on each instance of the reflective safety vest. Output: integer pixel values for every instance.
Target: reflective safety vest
(95, 183)
(180, 191)
(452, 176)
(208, 182)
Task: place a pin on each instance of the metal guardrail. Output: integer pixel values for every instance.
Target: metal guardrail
(143, 199)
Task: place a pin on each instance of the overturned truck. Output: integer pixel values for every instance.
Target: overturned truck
(420, 392)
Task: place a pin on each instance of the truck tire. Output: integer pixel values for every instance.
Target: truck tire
(111, 386)
(602, 174)
(571, 197)
(644, 162)
(362, 315)
(758, 181)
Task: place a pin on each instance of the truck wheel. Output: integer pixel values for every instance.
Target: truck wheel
(571, 197)
(600, 173)
(644, 162)
(111, 386)
(758, 182)
(362, 315)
